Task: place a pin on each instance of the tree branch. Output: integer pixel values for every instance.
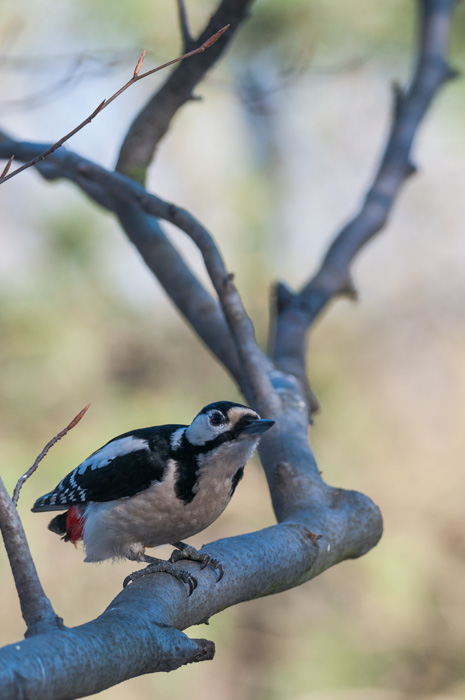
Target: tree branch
(297, 312)
(187, 40)
(198, 307)
(36, 608)
(144, 231)
(123, 189)
(139, 631)
(154, 120)
(255, 364)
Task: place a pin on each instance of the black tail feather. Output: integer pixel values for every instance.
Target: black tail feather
(58, 525)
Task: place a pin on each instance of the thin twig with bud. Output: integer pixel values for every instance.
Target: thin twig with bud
(135, 78)
(47, 447)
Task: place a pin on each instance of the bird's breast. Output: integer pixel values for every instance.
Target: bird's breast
(157, 516)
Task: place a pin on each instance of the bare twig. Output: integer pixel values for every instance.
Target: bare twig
(139, 64)
(47, 447)
(36, 609)
(104, 104)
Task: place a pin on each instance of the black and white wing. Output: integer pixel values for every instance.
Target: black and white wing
(123, 467)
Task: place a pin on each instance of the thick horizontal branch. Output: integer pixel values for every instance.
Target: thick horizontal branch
(296, 312)
(138, 633)
(152, 123)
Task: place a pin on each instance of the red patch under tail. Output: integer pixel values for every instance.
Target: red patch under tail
(75, 524)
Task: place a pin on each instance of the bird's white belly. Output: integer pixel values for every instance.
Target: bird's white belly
(155, 516)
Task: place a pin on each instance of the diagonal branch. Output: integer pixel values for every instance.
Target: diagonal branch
(184, 289)
(251, 372)
(297, 312)
(255, 364)
(193, 301)
(36, 608)
(154, 120)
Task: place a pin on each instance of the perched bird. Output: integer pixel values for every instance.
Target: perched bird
(156, 486)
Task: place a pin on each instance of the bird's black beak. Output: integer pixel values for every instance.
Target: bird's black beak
(257, 427)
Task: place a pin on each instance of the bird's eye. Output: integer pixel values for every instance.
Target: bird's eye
(216, 418)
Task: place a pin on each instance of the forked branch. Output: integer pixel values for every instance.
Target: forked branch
(153, 121)
(297, 312)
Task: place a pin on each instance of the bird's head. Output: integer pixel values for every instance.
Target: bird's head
(226, 421)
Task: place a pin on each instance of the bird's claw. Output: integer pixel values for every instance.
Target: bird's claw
(180, 574)
(191, 582)
(218, 565)
(203, 558)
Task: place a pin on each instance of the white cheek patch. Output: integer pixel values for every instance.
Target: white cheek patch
(117, 448)
(201, 431)
(176, 438)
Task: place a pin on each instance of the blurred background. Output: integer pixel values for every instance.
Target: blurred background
(273, 160)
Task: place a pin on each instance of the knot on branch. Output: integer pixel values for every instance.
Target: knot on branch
(284, 474)
(410, 169)
(289, 389)
(305, 533)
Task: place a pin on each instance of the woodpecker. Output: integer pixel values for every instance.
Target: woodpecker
(155, 486)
